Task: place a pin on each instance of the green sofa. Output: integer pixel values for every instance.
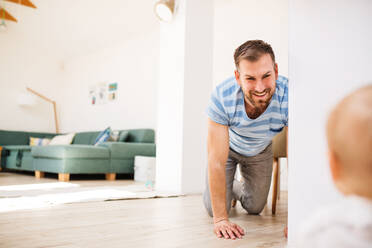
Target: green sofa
(17, 152)
(81, 157)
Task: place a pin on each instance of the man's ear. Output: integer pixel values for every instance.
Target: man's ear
(237, 77)
(334, 165)
(276, 70)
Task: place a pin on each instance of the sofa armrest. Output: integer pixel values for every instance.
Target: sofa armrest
(5, 152)
(129, 149)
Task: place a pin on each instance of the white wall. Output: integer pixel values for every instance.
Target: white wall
(330, 55)
(38, 75)
(133, 64)
(21, 67)
(237, 21)
(185, 82)
(198, 81)
(61, 48)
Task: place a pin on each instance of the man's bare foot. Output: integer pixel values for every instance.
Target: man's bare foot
(286, 232)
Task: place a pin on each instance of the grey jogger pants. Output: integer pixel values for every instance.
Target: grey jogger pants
(252, 191)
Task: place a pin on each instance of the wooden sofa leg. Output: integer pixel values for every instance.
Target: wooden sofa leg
(110, 176)
(63, 177)
(39, 174)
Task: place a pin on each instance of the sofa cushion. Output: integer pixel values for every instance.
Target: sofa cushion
(114, 135)
(123, 136)
(103, 136)
(19, 137)
(65, 139)
(13, 138)
(124, 150)
(39, 141)
(141, 136)
(70, 151)
(18, 157)
(85, 138)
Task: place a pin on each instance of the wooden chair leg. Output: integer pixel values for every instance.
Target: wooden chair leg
(39, 174)
(63, 177)
(278, 179)
(110, 176)
(275, 185)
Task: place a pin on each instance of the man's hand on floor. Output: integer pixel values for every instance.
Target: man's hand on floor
(228, 230)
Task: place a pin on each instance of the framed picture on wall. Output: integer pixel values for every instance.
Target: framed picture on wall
(112, 91)
(102, 93)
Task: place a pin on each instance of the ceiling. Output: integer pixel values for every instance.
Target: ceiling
(68, 28)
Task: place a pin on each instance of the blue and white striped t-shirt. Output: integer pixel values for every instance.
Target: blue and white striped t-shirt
(248, 136)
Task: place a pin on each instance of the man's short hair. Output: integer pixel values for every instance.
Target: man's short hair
(252, 50)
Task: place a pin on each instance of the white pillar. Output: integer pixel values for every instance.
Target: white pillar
(329, 56)
(184, 87)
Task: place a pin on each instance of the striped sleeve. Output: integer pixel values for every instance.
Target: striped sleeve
(284, 101)
(216, 111)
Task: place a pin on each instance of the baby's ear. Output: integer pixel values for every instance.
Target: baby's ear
(334, 165)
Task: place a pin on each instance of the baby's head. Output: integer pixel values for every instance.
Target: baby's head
(349, 134)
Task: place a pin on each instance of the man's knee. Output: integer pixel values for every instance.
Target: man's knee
(254, 207)
(255, 210)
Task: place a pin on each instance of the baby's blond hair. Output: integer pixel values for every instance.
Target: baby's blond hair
(349, 132)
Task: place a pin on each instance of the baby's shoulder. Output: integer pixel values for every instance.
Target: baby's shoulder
(336, 225)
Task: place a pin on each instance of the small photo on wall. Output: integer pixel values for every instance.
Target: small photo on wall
(92, 95)
(101, 92)
(112, 96)
(112, 91)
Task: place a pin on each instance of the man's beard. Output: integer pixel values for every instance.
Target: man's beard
(257, 107)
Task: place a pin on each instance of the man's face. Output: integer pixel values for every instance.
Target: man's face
(258, 81)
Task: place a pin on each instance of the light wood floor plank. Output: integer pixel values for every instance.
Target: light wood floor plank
(162, 222)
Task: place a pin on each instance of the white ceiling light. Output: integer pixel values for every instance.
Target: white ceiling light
(164, 10)
(25, 99)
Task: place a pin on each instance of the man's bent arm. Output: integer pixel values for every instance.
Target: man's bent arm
(218, 149)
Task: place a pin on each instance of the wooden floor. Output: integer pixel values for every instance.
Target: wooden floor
(163, 222)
